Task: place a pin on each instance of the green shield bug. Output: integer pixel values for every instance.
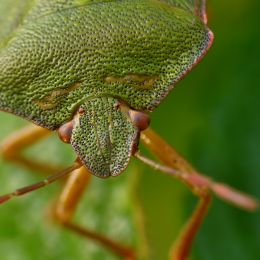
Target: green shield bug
(93, 71)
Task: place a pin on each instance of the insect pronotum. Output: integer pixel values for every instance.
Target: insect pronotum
(93, 71)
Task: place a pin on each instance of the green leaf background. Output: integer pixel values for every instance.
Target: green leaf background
(212, 117)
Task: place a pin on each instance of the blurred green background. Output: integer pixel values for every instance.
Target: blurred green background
(211, 117)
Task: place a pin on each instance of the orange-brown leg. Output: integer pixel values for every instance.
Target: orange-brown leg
(66, 206)
(200, 185)
(11, 148)
(182, 246)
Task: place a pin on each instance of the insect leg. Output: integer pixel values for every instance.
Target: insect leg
(177, 166)
(39, 185)
(182, 246)
(200, 185)
(66, 206)
(13, 145)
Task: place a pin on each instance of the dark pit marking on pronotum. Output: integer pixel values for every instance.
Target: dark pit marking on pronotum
(139, 81)
(49, 101)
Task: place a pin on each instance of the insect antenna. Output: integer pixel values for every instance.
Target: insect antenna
(40, 184)
(201, 184)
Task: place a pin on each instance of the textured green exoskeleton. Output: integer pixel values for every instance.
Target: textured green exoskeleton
(59, 56)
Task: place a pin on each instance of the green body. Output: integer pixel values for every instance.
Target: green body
(58, 55)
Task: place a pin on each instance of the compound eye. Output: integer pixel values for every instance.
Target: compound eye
(140, 119)
(65, 132)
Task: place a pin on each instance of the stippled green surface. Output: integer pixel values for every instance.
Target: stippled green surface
(12, 15)
(194, 6)
(104, 137)
(212, 118)
(63, 51)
